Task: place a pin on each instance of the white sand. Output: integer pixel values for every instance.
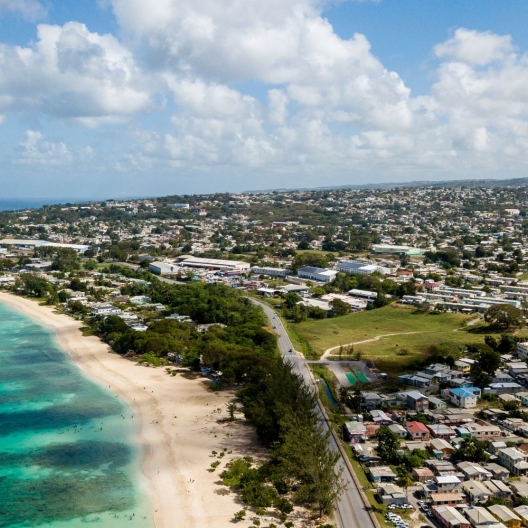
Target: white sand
(176, 425)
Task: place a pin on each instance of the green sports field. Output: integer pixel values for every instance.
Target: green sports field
(416, 332)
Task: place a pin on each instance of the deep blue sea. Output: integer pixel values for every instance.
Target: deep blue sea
(67, 453)
(20, 203)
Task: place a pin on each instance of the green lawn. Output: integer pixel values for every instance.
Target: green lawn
(395, 352)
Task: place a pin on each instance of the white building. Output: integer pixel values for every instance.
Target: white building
(349, 266)
(465, 398)
(272, 272)
(317, 274)
(106, 310)
(163, 268)
(522, 350)
(180, 206)
(188, 261)
(513, 460)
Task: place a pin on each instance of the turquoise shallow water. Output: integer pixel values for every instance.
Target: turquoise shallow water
(67, 454)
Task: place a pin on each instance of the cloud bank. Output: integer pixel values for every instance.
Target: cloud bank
(247, 85)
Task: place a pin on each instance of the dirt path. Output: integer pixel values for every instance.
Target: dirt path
(377, 338)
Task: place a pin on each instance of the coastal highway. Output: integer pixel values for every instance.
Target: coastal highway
(351, 511)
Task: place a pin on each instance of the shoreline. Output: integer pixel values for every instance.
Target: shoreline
(176, 424)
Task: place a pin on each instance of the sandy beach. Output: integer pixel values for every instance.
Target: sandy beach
(177, 424)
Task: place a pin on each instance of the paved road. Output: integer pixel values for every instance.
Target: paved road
(351, 511)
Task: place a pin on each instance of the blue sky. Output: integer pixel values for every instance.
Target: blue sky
(115, 98)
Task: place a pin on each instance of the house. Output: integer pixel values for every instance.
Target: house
(476, 491)
(106, 310)
(495, 446)
(139, 299)
(501, 376)
(417, 431)
(522, 397)
(483, 432)
(460, 383)
(380, 417)
(497, 471)
(417, 401)
(441, 467)
(399, 430)
(450, 517)
(480, 517)
(465, 398)
(463, 366)
(411, 445)
(436, 403)
(441, 448)
(441, 431)
(499, 489)
(370, 400)
(520, 489)
(522, 350)
(446, 499)
(447, 483)
(354, 432)
(503, 388)
(514, 461)
(522, 512)
(422, 474)
(382, 474)
(506, 516)
(415, 380)
(391, 494)
(473, 471)
(515, 368)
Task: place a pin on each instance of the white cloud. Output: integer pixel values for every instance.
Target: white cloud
(31, 10)
(277, 107)
(326, 105)
(73, 74)
(475, 47)
(38, 151)
(365, 120)
(210, 100)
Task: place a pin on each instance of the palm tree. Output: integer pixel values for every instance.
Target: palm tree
(231, 409)
(404, 480)
(343, 395)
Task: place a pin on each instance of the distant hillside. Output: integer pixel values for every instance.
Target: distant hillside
(392, 185)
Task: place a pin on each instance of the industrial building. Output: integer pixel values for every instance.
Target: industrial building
(22, 243)
(272, 272)
(317, 274)
(348, 266)
(188, 261)
(388, 249)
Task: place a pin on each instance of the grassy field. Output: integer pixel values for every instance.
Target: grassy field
(391, 353)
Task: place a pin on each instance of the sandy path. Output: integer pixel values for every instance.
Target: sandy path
(176, 422)
(378, 337)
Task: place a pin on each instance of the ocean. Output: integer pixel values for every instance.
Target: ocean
(67, 450)
(17, 204)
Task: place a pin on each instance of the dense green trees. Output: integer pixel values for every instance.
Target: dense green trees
(32, 285)
(282, 409)
(487, 362)
(340, 307)
(503, 316)
(472, 450)
(388, 445)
